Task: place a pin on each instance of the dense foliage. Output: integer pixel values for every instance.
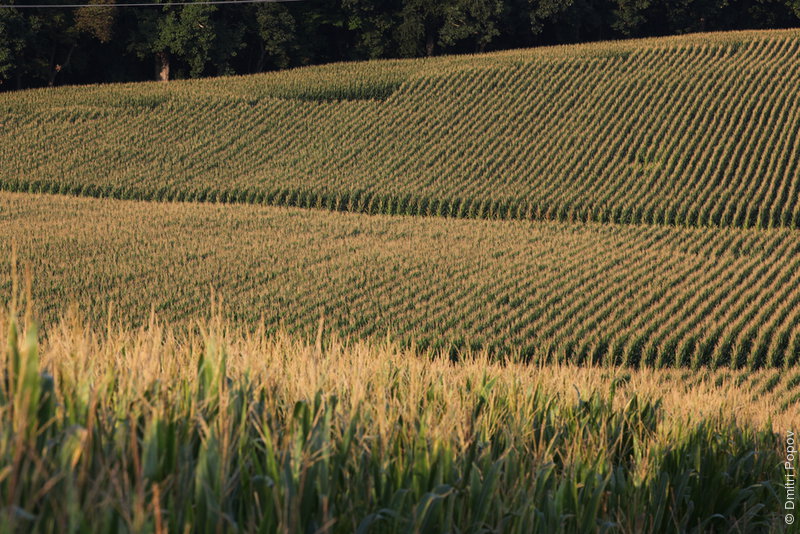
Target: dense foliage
(103, 44)
(697, 130)
(553, 292)
(134, 432)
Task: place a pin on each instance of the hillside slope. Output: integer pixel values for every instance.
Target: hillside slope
(695, 130)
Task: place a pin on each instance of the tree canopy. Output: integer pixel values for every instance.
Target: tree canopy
(52, 46)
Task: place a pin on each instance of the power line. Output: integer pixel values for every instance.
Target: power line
(142, 4)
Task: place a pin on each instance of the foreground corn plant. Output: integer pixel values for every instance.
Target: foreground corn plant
(216, 431)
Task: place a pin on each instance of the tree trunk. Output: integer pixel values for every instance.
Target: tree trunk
(56, 68)
(51, 76)
(162, 66)
(429, 44)
(262, 56)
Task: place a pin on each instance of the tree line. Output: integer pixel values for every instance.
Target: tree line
(108, 43)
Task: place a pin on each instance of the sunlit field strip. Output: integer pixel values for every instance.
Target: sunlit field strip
(582, 293)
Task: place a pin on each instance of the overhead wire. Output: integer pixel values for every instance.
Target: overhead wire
(141, 4)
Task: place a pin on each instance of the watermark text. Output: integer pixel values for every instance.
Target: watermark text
(791, 477)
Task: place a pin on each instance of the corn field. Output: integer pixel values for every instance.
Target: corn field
(550, 292)
(692, 131)
(132, 431)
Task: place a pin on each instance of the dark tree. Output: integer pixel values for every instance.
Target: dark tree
(40, 47)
